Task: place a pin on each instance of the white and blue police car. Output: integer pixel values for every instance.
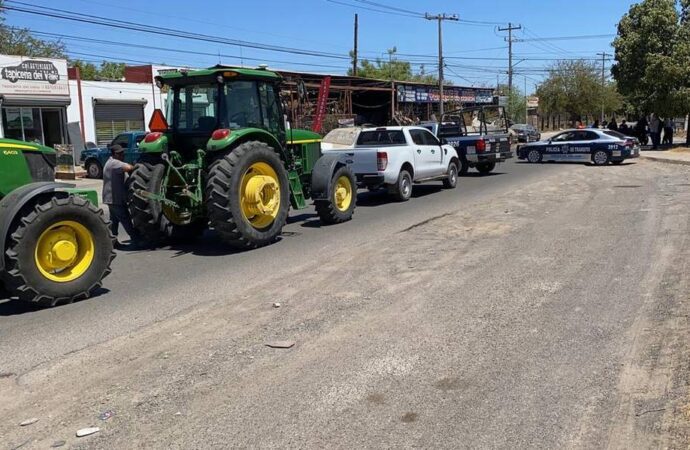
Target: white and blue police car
(587, 145)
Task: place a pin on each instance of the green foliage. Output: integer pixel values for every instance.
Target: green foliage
(109, 71)
(20, 41)
(574, 88)
(652, 50)
(393, 69)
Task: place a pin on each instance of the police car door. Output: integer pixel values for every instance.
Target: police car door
(558, 147)
(583, 145)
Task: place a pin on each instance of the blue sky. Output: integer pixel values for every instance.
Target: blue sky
(476, 53)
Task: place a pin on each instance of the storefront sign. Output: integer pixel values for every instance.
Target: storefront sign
(40, 76)
(426, 94)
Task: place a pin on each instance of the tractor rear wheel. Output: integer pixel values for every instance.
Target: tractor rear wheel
(340, 205)
(60, 251)
(248, 195)
(154, 220)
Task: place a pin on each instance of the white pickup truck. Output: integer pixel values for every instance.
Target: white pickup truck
(398, 157)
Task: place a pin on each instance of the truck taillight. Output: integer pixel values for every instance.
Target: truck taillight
(481, 145)
(381, 161)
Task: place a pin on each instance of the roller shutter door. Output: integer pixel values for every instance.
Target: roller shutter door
(113, 119)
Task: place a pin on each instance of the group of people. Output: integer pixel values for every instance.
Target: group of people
(652, 128)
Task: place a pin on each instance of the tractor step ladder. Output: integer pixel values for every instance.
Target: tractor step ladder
(296, 193)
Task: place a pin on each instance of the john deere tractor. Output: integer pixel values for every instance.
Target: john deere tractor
(226, 157)
(55, 244)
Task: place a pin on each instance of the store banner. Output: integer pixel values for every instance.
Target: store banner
(33, 76)
(427, 94)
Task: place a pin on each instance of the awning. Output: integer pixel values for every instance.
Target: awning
(34, 100)
(120, 101)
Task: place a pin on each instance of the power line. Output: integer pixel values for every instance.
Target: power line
(164, 49)
(149, 29)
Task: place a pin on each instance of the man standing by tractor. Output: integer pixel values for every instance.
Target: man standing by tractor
(115, 195)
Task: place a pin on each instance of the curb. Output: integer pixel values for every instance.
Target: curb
(681, 162)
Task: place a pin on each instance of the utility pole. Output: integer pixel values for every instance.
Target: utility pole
(526, 104)
(354, 56)
(510, 30)
(603, 82)
(440, 18)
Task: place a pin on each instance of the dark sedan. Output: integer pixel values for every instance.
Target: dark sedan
(525, 132)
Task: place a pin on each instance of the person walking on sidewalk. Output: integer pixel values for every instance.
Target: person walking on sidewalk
(655, 131)
(115, 195)
(668, 131)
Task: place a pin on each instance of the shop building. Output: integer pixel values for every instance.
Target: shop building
(34, 97)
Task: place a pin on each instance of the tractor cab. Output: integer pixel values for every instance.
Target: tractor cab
(205, 101)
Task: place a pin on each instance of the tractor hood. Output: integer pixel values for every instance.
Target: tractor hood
(23, 163)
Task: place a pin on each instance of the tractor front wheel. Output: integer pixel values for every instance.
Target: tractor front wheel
(342, 198)
(154, 220)
(60, 251)
(248, 196)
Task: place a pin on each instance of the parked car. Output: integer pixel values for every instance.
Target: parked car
(597, 146)
(93, 159)
(525, 133)
(479, 135)
(398, 157)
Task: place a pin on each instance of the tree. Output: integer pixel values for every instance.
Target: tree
(87, 70)
(20, 41)
(652, 53)
(111, 71)
(574, 88)
(393, 69)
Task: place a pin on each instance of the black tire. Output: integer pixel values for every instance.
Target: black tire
(223, 196)
(23, 277)
(148, 216)
(486, 167)
(464, 167)
(600, 158)
(329, 210)
(452, 180)
(94, 169)
(402, 190)
(534, 156)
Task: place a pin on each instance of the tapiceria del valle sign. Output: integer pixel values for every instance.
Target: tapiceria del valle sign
(22, 76)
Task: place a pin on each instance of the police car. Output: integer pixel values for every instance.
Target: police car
(589, 145)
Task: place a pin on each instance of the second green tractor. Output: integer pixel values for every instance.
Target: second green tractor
(226, 157)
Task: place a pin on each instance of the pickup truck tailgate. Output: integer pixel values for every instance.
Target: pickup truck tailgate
(362, 160)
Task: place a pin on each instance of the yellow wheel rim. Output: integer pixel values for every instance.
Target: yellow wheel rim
(260, 195)
(343, 193)
(64, 251)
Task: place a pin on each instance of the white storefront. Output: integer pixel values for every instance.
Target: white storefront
(110, 108)
(34, 95)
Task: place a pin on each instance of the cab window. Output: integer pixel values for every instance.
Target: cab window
(567, 136)
(269, 108)
(429, 139)
(122, 140)
(418, 137)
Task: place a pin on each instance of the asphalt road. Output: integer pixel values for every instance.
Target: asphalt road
(541, 307)
(146, 287)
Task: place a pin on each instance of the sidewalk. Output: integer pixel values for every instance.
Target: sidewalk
(675, 156)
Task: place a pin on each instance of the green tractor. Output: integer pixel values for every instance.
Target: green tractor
(55, 244)
(229, 159)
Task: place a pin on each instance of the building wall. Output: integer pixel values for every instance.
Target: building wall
(121, 91)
